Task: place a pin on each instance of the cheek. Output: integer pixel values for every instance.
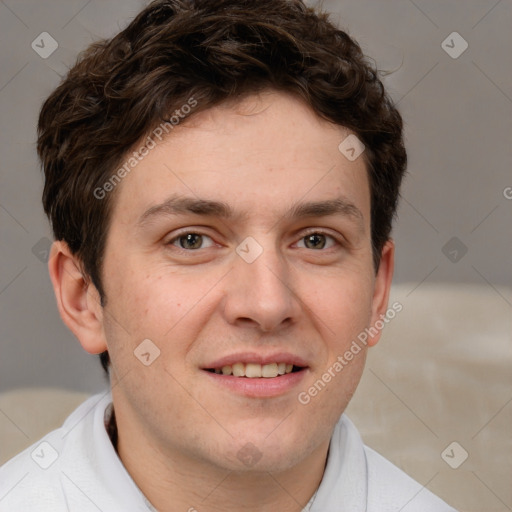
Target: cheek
(160, 304)
(341, 304)
(342, 310)
(144, 300)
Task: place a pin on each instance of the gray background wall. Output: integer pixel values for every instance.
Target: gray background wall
(458, 127)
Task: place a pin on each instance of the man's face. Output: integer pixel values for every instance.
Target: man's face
(277, 271)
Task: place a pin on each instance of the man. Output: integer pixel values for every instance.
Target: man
(221, 179)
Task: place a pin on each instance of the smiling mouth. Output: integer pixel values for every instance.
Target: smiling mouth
(255, 371)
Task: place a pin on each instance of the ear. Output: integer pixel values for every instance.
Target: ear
(77, 299)
(382, 288)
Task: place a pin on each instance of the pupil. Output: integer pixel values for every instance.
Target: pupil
(315, 241)
(191, 241)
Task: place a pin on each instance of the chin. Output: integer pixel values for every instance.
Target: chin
(268, 453)
(258, 462)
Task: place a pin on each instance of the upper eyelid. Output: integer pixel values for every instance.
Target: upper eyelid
(187, 230)
(322, 231)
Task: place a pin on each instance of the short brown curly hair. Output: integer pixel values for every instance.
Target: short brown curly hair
(122, 88)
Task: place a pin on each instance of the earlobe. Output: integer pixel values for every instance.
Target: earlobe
(381, 290)
(77, 299)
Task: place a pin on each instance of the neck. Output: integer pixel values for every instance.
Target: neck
(176, 482)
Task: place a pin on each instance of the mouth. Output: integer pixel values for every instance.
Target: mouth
(256, 375)
(256, 371)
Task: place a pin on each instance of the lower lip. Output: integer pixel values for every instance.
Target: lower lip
(259, 387)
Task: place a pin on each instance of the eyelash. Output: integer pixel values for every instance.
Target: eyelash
(185, 233)
(328, 235)
(176, 238)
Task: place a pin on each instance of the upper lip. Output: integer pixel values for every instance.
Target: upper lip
(257, 358)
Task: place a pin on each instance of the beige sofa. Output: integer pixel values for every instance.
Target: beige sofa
(436, 397)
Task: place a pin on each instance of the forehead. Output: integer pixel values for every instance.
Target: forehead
(259, 155)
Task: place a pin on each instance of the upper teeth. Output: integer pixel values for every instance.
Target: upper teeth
(254, 370)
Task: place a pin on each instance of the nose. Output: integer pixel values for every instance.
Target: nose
(260, 294)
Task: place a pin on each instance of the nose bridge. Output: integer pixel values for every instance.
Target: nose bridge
(260, 290)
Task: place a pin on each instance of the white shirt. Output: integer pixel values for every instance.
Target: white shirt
(76, 468)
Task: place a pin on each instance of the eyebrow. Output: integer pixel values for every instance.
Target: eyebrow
(177, 205)
(338, 206)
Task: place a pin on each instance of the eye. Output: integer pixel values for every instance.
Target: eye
(317, 241)
(191, 241)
